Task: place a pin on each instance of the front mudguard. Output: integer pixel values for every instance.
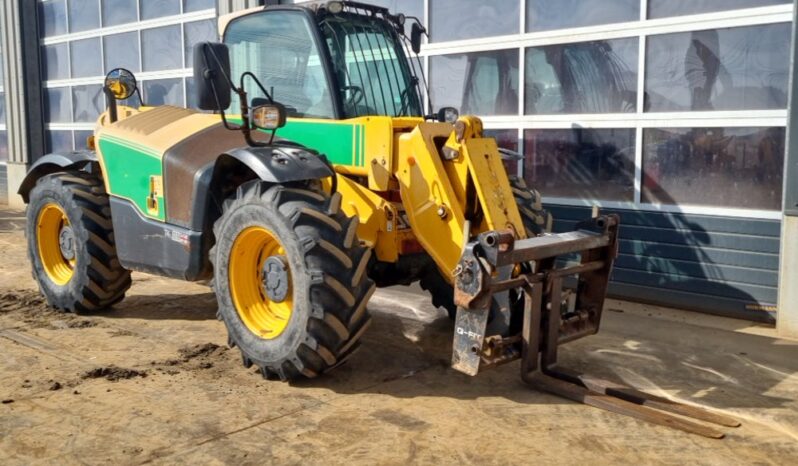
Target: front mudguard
(84, 160)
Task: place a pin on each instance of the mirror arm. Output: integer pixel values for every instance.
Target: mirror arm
(112, 111)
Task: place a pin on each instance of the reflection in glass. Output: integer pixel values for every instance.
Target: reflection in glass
(157, 8)
(581, 163)
(81, 138)
(118, 12)
(545, 15)
(87, 102)
(85, 58)
(586, 77)
(55, 64)
(158, 48)
(83, 15)
(56, 105)
(163, 92)
(3, 145)
(197, 5)
(742, 68)
(198, 31)
(663, 8)
(121, 51)
(479, 83)
(470, 19)
(719, 167)
(53, 18)
(506, 139)
(58, 141)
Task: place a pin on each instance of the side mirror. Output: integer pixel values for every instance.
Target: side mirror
(268, 116)
(121, 83)
(415, 37)
(211, 76)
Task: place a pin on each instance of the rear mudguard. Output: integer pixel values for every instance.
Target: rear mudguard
(79, 160)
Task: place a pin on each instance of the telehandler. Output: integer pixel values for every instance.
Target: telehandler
(326, 181)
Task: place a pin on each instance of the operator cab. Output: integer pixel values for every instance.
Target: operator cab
(335, 60)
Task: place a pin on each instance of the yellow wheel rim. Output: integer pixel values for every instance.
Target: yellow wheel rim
(263, 316)
(52, 230)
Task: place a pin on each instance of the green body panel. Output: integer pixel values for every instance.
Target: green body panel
(128, 168)
(342, 142)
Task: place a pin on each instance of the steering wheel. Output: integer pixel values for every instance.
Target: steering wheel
(356, 96)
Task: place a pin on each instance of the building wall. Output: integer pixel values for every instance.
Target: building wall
(669, 112)
(84, 39)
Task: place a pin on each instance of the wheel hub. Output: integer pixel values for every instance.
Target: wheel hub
(66, 242)
(275, 278)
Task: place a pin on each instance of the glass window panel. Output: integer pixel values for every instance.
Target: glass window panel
(719, 167)
(586, 77)
(479, 83)
(58, 141)
(158, 48)
(197, 5)
(157, 8)
(544, 15)
(470, 19)
(56, 105)
(85, 58)
(55, 61)
(2, 108)
(506, 139)
(83, 15)
(53, 18)
(88, 102)
(80, 139)
(121, 51)
(163, 92)
(118, 12)
(279, 49)
(191, 93)
(742, 68)
(663, 8)
(198, 31)
(581, 163)
(3, 145)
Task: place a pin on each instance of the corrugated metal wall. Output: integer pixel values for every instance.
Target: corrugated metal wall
(712, 264)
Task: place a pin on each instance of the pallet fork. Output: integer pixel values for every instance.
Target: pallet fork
(552, 316)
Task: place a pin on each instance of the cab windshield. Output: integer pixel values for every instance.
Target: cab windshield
(370, 65)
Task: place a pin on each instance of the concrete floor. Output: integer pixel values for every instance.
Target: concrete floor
(396, 401)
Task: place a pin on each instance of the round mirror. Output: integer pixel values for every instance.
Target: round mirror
(121, 83)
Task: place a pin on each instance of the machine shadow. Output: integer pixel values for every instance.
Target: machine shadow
(198, 306)
(666, 258)
(405, 359)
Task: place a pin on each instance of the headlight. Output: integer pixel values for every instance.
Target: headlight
(268, 116)
(335, 7)
(448, 115)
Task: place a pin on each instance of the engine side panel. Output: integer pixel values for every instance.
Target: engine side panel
(131, 153)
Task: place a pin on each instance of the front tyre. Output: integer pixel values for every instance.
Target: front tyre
(71, 243)
(290, 279)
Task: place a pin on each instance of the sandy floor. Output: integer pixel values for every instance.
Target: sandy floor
(153, 381)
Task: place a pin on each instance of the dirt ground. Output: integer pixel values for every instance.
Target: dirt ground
(152, 381)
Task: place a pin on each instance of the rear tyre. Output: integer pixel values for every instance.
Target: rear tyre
(537, 221)
(71, 243)
(290, 279)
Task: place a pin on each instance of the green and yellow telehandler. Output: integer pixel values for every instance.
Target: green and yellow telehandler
(297, 197)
